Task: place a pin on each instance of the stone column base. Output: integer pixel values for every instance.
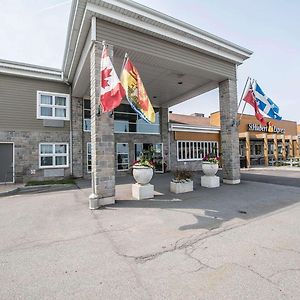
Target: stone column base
(140, 192)
(231, 181)
(106, 201)
(210, 181)
(95, 202)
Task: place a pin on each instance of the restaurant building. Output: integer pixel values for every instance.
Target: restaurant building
(193, 137)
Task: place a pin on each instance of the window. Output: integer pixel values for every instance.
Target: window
(86, 115)
(242, 148)
(270, 148)
(53, 106)
(89, 157)
(54, 155)
(195, 150)
(280, 148)
(122, 156)
(258, 149)
(127, 121)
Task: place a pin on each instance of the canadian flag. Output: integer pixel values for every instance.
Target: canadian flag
(250, 99)
(112, 91)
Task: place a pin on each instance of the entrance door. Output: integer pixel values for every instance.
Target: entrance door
(6, 163)
(153, 151)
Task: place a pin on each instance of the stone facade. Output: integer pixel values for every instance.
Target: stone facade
(229, 131)
(26, 147)
(194, 165)
(164, 129)
(102, 137)
(77, 150)
(86, 140)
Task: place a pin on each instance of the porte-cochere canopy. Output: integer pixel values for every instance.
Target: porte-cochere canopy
(176, 61)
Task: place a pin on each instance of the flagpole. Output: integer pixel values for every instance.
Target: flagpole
(124, 61)
(242, 113)
(98, 108)
(235, 121)
(242, 95)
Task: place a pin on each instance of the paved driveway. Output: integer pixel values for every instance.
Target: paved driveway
(234, 242)
(280, 175)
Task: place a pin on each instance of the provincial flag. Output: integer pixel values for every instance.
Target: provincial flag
(265, 104)
(112, 91)
(250, 99)
(136, 93)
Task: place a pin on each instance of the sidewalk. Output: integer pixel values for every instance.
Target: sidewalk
(6, 189)
(281, 168)
(12, 189)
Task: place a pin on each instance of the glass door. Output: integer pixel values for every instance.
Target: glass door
(158, 158)
(153, 152)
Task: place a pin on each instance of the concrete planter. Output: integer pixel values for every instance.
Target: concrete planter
(142, 175)
(209, 179)
(209, 169)
(181, 187)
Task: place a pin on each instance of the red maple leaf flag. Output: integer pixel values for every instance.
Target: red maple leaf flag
(250, 99)
(112, 91)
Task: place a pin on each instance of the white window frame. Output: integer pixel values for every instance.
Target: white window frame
(206, 146)
(83, 118)
(122, 170)
(53, 155)
(87, 157)
(53, 106)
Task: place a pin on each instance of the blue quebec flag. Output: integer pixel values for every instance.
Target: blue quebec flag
(265, 104)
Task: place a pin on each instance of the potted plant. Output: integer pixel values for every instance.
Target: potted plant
(182, 182)
(142, 170)
(210, 164)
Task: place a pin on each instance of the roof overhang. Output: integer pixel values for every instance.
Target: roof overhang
(191, 128)
(141, 18)
(28, 70)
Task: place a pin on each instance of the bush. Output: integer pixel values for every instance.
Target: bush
(182, 175)
(53, 181)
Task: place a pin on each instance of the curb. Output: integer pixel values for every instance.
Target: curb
(10, 193)
(281, 168)
(38, 189)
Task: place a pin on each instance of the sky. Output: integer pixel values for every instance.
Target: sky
(34, 31)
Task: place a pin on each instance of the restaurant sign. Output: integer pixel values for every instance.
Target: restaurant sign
(269, 128)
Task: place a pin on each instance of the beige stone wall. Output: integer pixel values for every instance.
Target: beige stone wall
(26, 147)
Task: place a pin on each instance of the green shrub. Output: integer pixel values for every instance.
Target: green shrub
(49, 182)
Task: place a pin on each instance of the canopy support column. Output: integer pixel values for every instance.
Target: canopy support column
(229, 131)
(102, 140)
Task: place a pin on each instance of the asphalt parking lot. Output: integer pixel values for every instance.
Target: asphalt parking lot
(281, 176)
(232, 242)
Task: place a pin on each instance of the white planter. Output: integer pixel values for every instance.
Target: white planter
(210, 181)
(142, 175)
(209, 169)
(140, 192)
(181, 187)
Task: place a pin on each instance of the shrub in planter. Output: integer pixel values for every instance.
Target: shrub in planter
(182, 182)
(142, 170)
(210, 164)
